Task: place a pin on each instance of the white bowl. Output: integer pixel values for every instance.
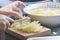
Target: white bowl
(49, 21)
(45, 38)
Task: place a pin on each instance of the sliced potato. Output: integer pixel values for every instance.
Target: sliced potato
(27, 26)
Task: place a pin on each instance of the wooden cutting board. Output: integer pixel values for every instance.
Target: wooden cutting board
(24, 36)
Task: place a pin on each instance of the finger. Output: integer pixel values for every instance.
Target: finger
(14, 8)
(12, 13)
(3, 18)
(16, 3)
(10, 19)
(15, 14)
(2, 25)
(6, 21)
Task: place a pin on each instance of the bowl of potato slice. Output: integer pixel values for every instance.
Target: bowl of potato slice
(47, 13)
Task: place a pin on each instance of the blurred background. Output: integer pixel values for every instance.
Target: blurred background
(6, 2)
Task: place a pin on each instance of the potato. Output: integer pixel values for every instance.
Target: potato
(27, 26)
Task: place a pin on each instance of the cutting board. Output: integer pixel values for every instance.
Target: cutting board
(24, 36)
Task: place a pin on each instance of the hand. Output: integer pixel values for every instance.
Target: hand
(12, 10)
(5, 22)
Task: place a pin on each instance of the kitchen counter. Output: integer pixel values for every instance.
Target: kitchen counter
(55, 31)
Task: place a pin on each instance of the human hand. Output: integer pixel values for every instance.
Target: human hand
(5, 21)
(12, 10)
